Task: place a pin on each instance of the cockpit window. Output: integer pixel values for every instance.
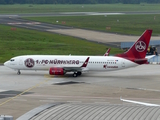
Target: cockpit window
(12, 60)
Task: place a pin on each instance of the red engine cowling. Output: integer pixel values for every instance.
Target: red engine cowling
(56, 71)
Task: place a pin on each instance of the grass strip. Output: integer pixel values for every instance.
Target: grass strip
(48, 8)
(122, 24)
(31, 42)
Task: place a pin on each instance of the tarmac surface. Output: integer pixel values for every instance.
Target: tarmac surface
(22, 93)
(74, 14)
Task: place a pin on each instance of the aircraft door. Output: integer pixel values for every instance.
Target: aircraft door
(21, 61)
(123, 63)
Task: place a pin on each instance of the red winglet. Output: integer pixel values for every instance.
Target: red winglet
(85, 63)
(107, 52)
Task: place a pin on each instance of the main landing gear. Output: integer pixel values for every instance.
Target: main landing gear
(18, 72)
(75, 74)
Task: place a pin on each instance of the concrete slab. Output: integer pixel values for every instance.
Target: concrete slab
(32, 89)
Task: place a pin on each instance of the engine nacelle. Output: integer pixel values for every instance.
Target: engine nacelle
(56, 71)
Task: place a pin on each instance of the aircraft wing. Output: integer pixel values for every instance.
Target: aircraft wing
(150, 56)
(81, 68)
(72, 69)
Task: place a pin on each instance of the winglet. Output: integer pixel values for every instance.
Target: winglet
(107, 52)
(85, 63)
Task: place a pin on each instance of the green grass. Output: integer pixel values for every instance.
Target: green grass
(23, 41)
(123, 24)
(27, 8)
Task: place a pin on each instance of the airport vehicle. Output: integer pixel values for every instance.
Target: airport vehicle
(61, 64)
(152, 50)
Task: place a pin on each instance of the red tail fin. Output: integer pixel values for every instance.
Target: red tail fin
(139, 49)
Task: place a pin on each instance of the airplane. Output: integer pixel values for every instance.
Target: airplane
(61, 64)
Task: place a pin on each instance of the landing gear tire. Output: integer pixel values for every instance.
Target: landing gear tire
(19, 72)
(75, 74)
(79, 73)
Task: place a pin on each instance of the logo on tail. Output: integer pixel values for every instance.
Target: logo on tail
(138, 51)
(140, 46)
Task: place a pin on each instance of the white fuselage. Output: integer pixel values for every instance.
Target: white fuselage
(45, 62)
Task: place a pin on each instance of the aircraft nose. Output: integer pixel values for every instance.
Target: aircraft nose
(6, 63)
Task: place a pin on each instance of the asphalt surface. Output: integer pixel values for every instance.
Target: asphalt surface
(18, 22)
(22, 93)
(74, 14)
(95, 36)
(58, 14)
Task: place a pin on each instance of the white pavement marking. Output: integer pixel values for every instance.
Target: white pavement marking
(141, 103)
(74, 101)
(154, 90)
(46, 100)
(24, 23)
(9, 15)
(91, 13)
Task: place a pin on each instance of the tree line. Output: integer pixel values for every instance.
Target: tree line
(76, 1)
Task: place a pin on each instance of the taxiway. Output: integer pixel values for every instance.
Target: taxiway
(21, 93)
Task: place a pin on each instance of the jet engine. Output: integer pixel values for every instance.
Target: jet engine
(56, 71)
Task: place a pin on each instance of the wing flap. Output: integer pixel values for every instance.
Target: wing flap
(72, 68)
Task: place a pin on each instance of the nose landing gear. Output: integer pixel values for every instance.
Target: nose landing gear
(19, 72)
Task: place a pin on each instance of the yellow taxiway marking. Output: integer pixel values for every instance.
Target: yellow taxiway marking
(29, 89)
(49, 76)
(53, 76)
